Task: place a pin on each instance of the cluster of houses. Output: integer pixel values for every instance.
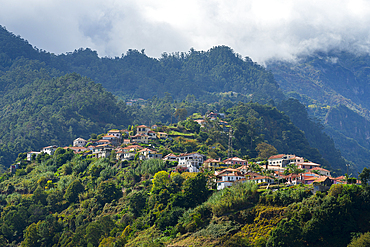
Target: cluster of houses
(276, 165)
(113, 142)
(227, 172)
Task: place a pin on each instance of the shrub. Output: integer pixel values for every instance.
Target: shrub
(233, 198)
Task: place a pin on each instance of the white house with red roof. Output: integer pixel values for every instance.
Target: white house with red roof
(307, 165)
(227, 177)
(190, 160)
(49, 149)
(170, 157)
(280, 160)
(235, 161)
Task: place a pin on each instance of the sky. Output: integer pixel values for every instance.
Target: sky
(259, 29)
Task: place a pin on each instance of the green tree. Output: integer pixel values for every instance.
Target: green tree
(196, 190)
(73, 190)
(265, 150)
(160, 181)
(365, 176)
(181, 113)
(109, 191)
(362, 241)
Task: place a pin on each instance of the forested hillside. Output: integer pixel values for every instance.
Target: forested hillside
(36, 114)
(135, 75)
(37, 110)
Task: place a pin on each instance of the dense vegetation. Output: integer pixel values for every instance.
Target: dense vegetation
(37, 110)
(68, 200)
(135, 75)
(43, 106)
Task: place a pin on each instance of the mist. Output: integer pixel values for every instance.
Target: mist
(262, 29)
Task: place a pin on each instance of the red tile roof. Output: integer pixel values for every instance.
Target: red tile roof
(276, 156)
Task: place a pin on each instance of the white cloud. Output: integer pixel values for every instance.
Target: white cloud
(261, 29)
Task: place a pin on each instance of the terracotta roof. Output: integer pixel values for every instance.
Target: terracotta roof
(276, 156)
(211, 161)
(170, 155)
(185, 154)
(321, 179)
(227, 170)
(113, 136)
(232, 174)
(133, 147)
(100, 141)
(142, 126)
(234, 159)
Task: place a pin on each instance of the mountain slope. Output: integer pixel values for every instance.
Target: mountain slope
(37, 110)
(335, 88)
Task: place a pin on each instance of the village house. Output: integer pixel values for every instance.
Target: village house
(307, 165)
(152, 135)
(114, 140)
(29, 155)
(293, 178)
(260, 179)
(142, 129)
(170, 157)
(209, 163)
(115, 133)
(322, 183)
(201, 122)
(321, 171)
(49, 149)
(13, 168)
(192, 161)
(126, 141)
(227, 177)
(280, 160)
(243, 169)
(147, 153)
(235, 161)
(102, 151)
(162, 135)
(140, 138)
(79, 142)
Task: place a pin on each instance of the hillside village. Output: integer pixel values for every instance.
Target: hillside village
(139, 144)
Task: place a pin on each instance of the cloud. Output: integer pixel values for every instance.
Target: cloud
(260, 29)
